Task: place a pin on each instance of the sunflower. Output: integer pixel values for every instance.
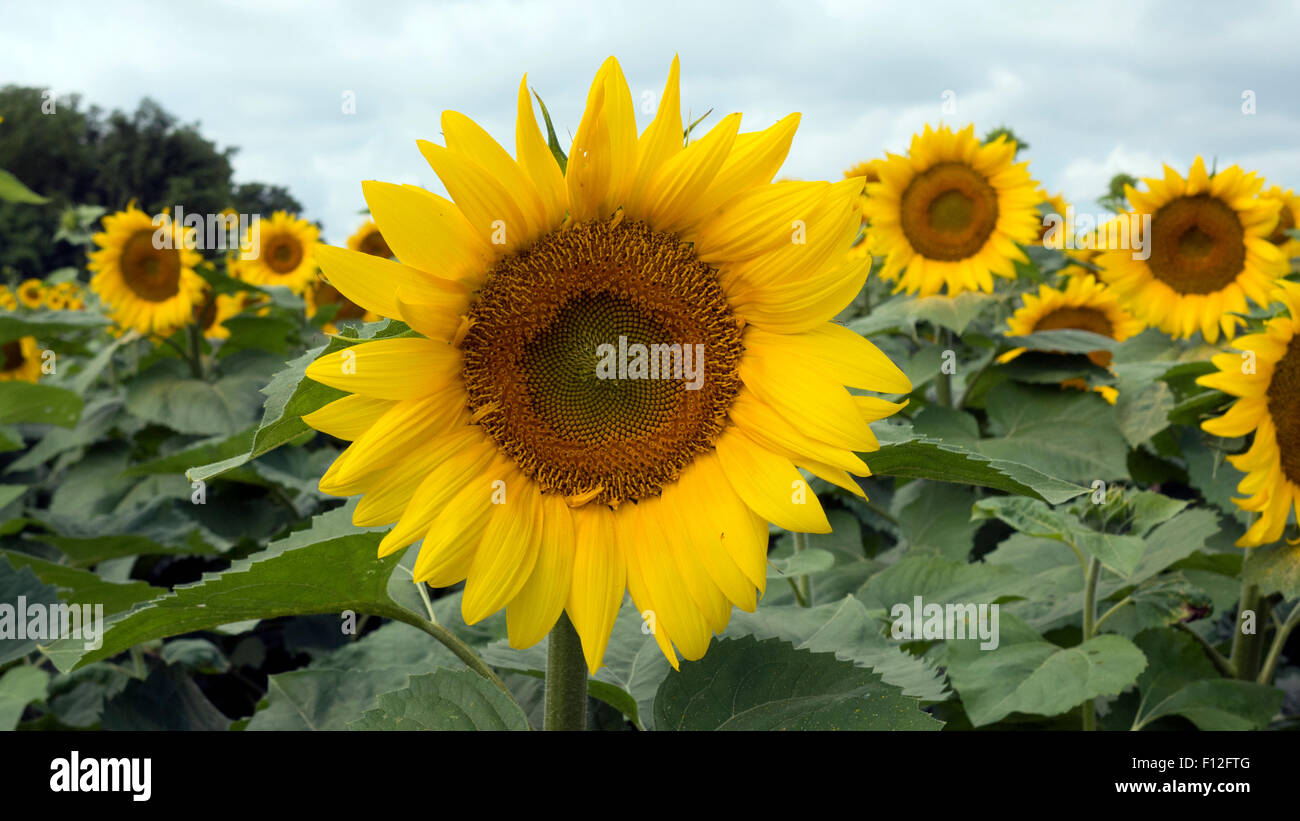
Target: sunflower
(368, 240)
(868, 170)
(1288, 218)
(8, 301)
(151, 289)
(1208, 252)
(1050, 204)
(322, 294)
(214, 311)
(284, 253)
(20, 360)
(951, 212)
(1266, 377)
(492, 433)
(31, 293)
(1083, 305)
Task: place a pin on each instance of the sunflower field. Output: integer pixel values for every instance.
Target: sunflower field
(630, 432)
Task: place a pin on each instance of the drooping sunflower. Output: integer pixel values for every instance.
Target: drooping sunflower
(951, 212)
(1084, 305)
(529, 455)
(1208, 252)
(1266, 377)
(284, 253)
(144, 271)
(20, 360)
(1288, 218)
(31, 293)
(368, 240)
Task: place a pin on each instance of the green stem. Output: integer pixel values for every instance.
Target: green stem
(943, 380)
(1275, 652)
(1246, 646)
(196, 351)
(462, 651)
(1089, 629)
(566, 679)
(803, 588)
(1097, 626)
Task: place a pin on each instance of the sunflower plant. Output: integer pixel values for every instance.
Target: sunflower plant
(640, 434)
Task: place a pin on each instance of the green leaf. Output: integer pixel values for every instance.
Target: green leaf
(1143, 406)
(82, 586)
(904, 455)
(939, 580)
(1062, 341)
(1181, 681)
(327, 568)
(1276, 569)
(745, 684)
(16, 583)
(903, 312)
(11, 190)
(19, 687)
(445, 700)
(166, 395)
(846, 629)
(1069, 434)
(804, 563)
(341, 685)
(47, 325)
(33, 402)
(1028, 674)
(167, 700)
(1033, 518)
(936, 518)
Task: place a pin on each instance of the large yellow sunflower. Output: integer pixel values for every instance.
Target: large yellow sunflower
(1266, 375)
(284, 253)
(951, 213)
(506, 434)
(148, 288)
(1208, 252)
(1288, 219)
(20, 360)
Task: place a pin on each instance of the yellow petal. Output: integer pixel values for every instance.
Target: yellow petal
(531, 614)
(770, 485)
(508, 551)
(399, 368)
(599, 580)
(426, 232)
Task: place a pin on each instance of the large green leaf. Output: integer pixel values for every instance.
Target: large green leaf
(34, 402)
(1276, 569)
(935, 518)
(444, 700)
(327, 568)
(1181, 681)
(47, 325)
(1120, 553)
(167, 395)
(1028, 674)
(746, 684)
(12, 190)
(82, 586)
(907, 456)
(1065, 340)
(19, 583)
(1073, 435)
(903, 312)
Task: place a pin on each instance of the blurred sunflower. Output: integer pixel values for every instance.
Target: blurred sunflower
(286, 254)
(1209, 252)
(368, 240)
(1050, 204)
(951, 213)
(212, 314)
(322, 294)
(1288, 217)
(31, 293)
(868, 170)
(153, 290)
(20, 360)
(603, 485)
(66, 296)
(1269, 406)
(8, 301)
(1083, 305)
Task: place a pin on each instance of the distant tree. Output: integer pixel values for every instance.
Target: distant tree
(79, 156)
(1004, 131)
(1115, 198)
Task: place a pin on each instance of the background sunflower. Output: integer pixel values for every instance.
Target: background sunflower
(148, 288)
(285, 253)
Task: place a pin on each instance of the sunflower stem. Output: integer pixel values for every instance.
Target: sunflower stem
(1246, 647)
(566, 679)
(196, 351)
(943, 380)
(803, 586)
(1089, 628)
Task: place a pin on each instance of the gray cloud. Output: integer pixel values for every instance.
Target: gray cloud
(1093, 87)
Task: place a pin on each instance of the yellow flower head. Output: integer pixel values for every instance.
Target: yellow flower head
(20, 360)
(1288, 218)
(368, 240)
(31, 293)
(1083, 305)
(531, 458)
(1208, 252)
(1266, 377)
(8, 301)
(144, 272)
(215, 309)
(285, 253)
(951, 212)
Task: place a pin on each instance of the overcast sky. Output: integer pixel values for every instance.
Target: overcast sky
(1094, 88)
